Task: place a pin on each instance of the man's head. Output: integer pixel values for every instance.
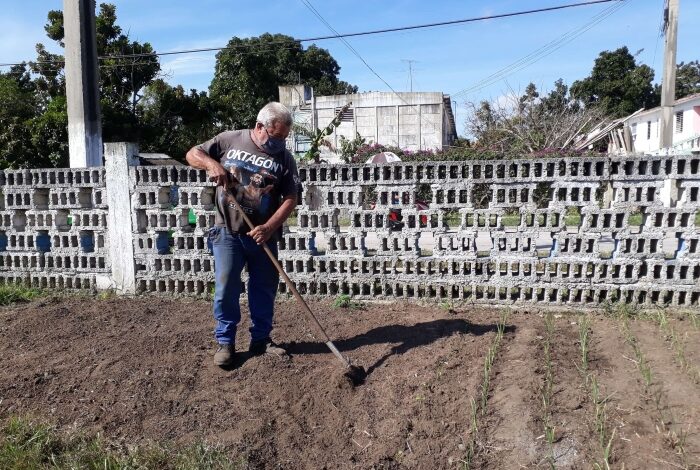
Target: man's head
(257, 180)
(272, 127)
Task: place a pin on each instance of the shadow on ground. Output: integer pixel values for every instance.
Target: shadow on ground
(404, 337)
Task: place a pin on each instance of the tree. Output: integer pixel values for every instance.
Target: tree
(172, 120)
(249, 71)
(687, 79)
(617, 84)
(17, 109)
(121, 78)
(530, 122)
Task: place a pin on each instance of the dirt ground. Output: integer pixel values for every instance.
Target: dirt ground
(141, 369)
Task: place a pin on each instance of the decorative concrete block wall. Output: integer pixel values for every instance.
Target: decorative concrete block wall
(53, 228)
(568, 231)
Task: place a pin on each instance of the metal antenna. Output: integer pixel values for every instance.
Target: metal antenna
(410, 70)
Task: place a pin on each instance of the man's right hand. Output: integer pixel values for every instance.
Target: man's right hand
(217, 173)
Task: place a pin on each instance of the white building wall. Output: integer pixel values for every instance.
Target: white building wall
(640, 125)
(412, 121)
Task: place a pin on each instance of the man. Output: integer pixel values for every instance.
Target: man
(255, 167)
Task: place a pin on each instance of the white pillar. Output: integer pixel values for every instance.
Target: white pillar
(82, 84)
(119, 156)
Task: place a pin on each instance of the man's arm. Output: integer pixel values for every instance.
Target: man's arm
(262, 233)
(199, 159)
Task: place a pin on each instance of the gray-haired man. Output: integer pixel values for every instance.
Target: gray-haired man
(254, 167)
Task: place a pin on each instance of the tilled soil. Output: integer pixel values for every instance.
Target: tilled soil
(141, 369)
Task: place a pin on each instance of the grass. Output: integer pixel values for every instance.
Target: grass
(346, 301)
(640, 358)
(14, 293)
(694, 319)
(453, 219)
(479, 408)
(512, 220)
(675, 437)
(600, 424)
(635, 219)
(25, 444)
(677, 344)
(572, 217)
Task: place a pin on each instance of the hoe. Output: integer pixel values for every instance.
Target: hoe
(355, 374)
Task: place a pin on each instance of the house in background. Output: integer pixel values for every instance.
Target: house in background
(639, 132)
(411, 121)
(644, 127)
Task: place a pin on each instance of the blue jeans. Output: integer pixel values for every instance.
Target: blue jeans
(231, 253)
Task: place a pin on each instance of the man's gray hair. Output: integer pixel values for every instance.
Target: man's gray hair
(275, 112)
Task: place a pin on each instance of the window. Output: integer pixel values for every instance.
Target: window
(634, 132)
(347, 116)
(679, 122)
(648, 130)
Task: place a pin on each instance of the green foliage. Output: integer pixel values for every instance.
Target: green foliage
(348, 148)
(618, 84)
(138, 106)
(345, 301)
(173, 120)
(249, 71)
(25, 444)
(687, 79)
(318, 136)
(14, 293)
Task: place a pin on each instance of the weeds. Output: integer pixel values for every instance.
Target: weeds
(14, 293)
(25, 444)
(345, 301)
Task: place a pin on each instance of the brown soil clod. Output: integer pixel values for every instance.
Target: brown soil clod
(355, 375)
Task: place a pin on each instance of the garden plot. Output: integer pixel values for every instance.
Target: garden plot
(448, 386)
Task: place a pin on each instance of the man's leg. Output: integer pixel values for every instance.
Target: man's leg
(262, 288)
(229, 260)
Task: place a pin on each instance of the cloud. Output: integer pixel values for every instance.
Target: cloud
(190, 64)
(18, 39)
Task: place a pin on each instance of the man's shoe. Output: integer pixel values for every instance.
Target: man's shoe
(266, 346)
(223, 356)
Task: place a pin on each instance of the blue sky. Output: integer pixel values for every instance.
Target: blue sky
(448, 59)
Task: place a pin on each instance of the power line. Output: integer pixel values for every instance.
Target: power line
(541, 52)
(346, 35)
(352, 49)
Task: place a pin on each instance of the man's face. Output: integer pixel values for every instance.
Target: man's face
(257, 180)
(277, 129)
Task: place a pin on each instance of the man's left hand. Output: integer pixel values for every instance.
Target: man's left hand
(261, 233)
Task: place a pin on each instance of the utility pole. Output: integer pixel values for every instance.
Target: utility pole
(668, 84)
(410, 70)
(82, 88)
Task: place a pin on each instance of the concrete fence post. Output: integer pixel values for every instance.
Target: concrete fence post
(119, 156)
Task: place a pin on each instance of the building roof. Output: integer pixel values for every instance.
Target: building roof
(685, 99)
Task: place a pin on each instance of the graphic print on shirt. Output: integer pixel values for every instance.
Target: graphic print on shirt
(251, 182)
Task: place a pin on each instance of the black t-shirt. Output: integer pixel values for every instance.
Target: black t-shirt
(260, 180)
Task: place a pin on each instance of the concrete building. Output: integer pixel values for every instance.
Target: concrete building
(411, 121)
(644, 126)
